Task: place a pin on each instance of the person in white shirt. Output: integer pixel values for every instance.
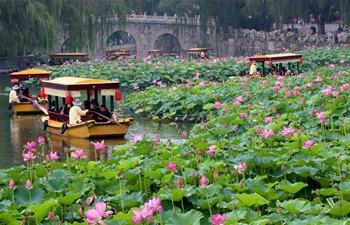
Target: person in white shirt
(13, 97)
(252, 71)
(76, 112)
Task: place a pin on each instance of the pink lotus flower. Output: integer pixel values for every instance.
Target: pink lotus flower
(216, 175)
(172, 166)
(79, 154)
(276, 88)
(52, 156)
(264, 82)
(99, 146)
(308, 144)
(321, 116)
(342, 61)
(267, 133)
(94, 216)
(287, 132)
(318, 79)
(155, 204)
(218, 219)
(157, 139)
(29, 184)
(31, 146)
(268, 119)
(344, 87)
(136, 88)
(141, 216)
(211, 150)
(287, 94)
(217, 105)
(138, 138)
(239, 98)
(241, 167)
(27, 157)
(327, 91)
(204, 181)
(41, 140)
(184, 134)
(308, 85)
(243, 115)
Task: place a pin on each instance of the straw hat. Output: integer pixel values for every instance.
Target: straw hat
(15, 87)
(77, 102)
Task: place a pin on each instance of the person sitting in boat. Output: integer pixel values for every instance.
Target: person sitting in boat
(106, 115)
(13, 97)
(96, 108)
(53, 106)
(20, 96)
(26, 93)
(76, 112)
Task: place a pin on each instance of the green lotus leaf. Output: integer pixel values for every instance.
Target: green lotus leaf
(132, 174)
(79, 187)
(120, 149)
(327, 191)
(191, 217)
(57, 185)
(154, 174)
(291, 188)
(340, 208)
(132, 200)
(122, 217)
(295, 206)
(210, 190)
(108, 175)
(260, 222)
(305, 171)
(251, 199)
(24, 196)
(60, 173)
(69, 198)
(145, 148)
(315, 220)
(265, 161)
(41, 211)
(8, 219)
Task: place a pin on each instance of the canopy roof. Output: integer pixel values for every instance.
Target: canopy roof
(155, 50)
(198, 49)
(69, 55)
(277, 58)
(23, 75)
(63, 86)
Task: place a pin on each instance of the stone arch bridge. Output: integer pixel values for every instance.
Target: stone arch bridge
(146, 30)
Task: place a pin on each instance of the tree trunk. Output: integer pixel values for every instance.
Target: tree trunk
(320, 24)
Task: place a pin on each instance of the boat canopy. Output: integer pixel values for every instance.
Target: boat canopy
(277, 58)
(24, 75)
(64, 86)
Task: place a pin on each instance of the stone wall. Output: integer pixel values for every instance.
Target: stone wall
(244, 42)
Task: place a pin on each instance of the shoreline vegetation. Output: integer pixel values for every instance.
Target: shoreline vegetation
(268, 150)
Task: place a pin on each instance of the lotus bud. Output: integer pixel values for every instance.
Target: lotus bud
(317, 191)
(344, 175)
(179, 182)
(241, 184)
(81, 210)
(234, 205)
(29, 184)
(216, 175)
(12, 184)
(90, 200)
(51, 215)
(283, 167)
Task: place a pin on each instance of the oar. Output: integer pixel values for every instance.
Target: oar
(35, 102)
(103, 116)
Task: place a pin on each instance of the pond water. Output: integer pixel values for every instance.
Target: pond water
(17, 130)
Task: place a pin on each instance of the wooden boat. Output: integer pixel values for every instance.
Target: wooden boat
(155, 52)
(35, 105)
(277, 59)
(198, 53)
(61, 57)
(73, 87)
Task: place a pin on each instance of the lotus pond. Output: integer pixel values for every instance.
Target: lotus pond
(272, 150)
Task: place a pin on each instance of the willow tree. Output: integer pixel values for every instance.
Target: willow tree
(26, 26)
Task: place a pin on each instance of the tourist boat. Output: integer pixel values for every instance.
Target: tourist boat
(76, 87)
(155, 53)
(198, 53)
(34, 105)
(61, 57)
(279, 60)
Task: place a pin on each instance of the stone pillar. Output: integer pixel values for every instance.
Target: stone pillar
(283, 37)
(300, 38)
(317, 38)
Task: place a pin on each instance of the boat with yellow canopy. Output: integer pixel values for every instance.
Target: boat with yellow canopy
(68, 88)
(34, 105)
